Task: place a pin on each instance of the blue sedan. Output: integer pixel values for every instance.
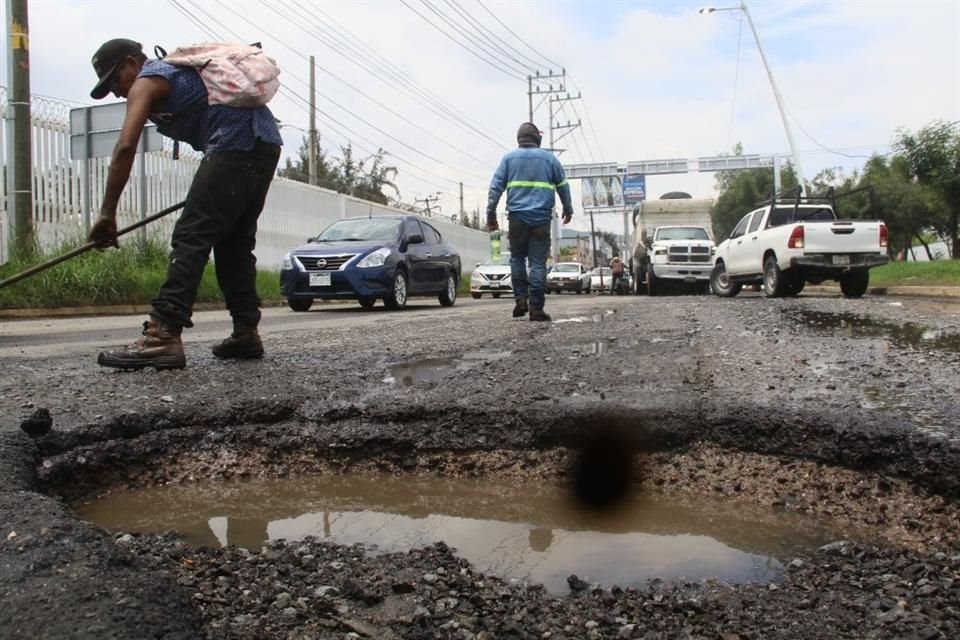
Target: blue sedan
(385, 257)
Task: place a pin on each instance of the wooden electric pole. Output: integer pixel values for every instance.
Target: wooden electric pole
(19, 148)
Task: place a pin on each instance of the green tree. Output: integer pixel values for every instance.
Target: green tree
(366, 178)
(299, 169)
(933, 159)
(741, 190)
(905, 205)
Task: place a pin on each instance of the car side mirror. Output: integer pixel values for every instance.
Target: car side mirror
(415, 239)
(311, 239)
(478, 264)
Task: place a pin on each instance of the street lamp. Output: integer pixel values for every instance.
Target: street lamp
(773, 85)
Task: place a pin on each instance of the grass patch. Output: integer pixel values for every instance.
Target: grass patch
(131, 274)
(899, 274)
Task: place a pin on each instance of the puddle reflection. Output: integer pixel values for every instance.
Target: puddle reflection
(431, 370)
(528, 532)
(848, 325)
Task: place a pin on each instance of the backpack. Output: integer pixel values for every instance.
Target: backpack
(235, 75)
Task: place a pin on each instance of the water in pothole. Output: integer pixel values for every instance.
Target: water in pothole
(848, 325)
(525, 531)
(428, 370)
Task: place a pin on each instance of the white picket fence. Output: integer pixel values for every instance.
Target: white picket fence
(294, 211)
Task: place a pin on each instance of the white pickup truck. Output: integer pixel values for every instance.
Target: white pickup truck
(788, 243)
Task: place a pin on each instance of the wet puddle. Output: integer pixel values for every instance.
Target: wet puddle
(431, 370)
(908, 335)
(528, 532)
(594, 318)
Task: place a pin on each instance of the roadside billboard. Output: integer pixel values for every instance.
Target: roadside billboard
(634, 188)
(602, 192)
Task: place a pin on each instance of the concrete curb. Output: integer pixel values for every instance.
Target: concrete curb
(138, 309)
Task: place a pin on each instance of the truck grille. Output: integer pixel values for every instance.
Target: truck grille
(688, 254)
(324, 263)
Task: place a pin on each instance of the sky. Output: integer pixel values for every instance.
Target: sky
(441, 85)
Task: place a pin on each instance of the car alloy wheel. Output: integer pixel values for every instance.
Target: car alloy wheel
(397, 298)
(449, 296)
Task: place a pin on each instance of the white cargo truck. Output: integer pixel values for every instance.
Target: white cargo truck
(672, 245)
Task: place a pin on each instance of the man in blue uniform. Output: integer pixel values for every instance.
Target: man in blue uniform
(241, 147)
(532, 178)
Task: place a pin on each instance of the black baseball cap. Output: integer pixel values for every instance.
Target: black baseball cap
(108, 57)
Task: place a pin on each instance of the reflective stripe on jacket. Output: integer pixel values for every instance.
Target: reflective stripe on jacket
(532, 178)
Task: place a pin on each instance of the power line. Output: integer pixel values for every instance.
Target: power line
(510, 73)
(289, 93)
(391, 76)
(348, 111)
(483, 32)
(480, 2)
(377, 102)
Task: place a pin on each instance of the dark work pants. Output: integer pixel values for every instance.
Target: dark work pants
(223, 204)
(529, 244)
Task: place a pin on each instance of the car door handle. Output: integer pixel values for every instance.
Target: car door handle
(428, 254)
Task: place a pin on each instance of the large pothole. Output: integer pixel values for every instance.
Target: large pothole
(854, 553)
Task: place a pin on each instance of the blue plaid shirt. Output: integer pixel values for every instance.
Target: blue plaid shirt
(207, 128)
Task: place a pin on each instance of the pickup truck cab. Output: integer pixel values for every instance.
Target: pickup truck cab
(786, 244)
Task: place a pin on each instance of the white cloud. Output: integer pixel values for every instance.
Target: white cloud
(657, 78)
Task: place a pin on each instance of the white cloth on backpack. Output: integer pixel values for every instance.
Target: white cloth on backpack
(235, 75)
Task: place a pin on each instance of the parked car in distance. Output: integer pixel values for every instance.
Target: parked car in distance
(380, 257)
(568, 276)
(493, 277)
(598, 283)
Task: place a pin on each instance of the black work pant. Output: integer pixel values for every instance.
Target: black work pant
(221, 212)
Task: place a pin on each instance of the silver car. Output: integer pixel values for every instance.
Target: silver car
(493, 277)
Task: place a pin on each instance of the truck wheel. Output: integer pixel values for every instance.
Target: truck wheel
(721, 283)
(774, 281)
(854, 284)
(795, 285)
(653, 283)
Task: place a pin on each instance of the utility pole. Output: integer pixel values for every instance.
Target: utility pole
(312, 141)
(427, 202)
(19, 146)
(568, 129)
(550, 75)
(463, 215)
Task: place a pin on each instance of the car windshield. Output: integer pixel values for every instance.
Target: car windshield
(682, 233)
(567, 268)
(503, 260)
(357, 229)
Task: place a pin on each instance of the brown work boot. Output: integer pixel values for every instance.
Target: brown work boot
(244, 343)
(520, 308)
(537, 314)
(159, 347)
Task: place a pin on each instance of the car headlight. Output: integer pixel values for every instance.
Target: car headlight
(375, 258)
(476, 275)
(287, 263)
